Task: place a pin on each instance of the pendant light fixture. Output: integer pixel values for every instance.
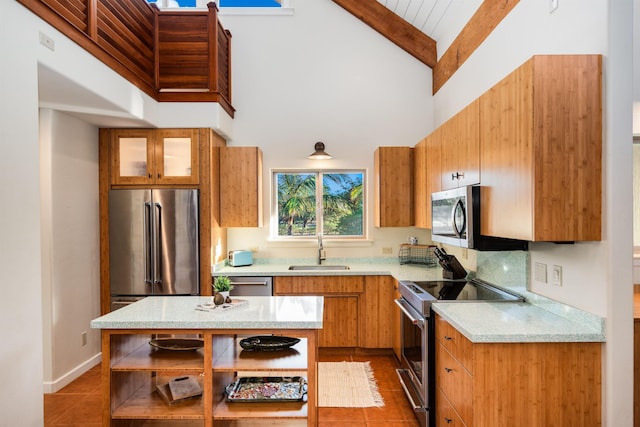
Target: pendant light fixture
(319, 153)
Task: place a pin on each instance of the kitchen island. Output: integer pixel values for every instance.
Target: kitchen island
(133, 370)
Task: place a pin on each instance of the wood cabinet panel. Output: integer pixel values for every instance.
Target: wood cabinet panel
(317, 285)
(397, 319)
(341, 319)
(537, 384)
(446, 416)
(377, 309)
(358, 311)
(421, 195)
(456, 343)
(513, 384)
(434, 160)
(241, 181)
(460, 139)
(341, 325)
(456, 383)
(393, 187)
(541, 151)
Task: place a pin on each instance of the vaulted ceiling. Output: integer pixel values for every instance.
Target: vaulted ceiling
(424, 28)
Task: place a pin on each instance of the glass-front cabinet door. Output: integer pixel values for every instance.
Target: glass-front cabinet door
(154, 156)
(176, 156)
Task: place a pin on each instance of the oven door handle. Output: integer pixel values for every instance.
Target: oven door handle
(413, 315)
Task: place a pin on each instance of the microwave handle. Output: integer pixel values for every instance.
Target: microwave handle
(458, 229)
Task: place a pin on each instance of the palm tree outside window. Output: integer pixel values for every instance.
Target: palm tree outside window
(309, 203)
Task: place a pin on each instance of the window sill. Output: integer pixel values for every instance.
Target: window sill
(327, 243)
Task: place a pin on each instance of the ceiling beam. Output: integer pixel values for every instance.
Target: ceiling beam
(481, 24)
(394, 28)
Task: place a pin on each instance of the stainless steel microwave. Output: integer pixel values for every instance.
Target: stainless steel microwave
(452, 217)
(455, 221)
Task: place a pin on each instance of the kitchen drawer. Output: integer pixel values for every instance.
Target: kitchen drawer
(457, 344)
(446, 416)
(455, 382)
(318, 285)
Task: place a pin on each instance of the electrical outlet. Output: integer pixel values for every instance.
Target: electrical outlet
(553, 5)
(465, 253)
(557, 275)
(47, 41)
(540, 274)
(387, 251)
(83, 337)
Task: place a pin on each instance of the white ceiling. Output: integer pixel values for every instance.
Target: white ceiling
(442, 20)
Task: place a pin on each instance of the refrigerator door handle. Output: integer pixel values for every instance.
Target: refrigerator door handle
(157, 245)
(148, 263)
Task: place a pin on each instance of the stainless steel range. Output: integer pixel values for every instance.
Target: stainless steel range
(417, 374)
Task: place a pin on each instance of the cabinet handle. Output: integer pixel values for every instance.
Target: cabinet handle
(448, 338)
(448, 420)
(447, 370)
(457, 175)
(159, 175)
(149, 175)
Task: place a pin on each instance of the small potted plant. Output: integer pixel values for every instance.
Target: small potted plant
(222, 285)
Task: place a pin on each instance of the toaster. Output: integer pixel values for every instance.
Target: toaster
(240, 258)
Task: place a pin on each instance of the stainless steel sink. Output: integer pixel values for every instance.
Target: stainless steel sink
(318, 267)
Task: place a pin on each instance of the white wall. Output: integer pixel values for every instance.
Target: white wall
(71, 246)
(20, 305)
(323, 75)
(596, 275)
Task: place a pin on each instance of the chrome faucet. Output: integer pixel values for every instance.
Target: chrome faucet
(321, 254)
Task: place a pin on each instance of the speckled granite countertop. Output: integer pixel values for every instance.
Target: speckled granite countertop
(359, 267)
(487, 322)
(537, 320)
(179, 312)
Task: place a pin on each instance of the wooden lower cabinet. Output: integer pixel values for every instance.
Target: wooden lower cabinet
(132, 370)
(516, 384)
(340, 321)
(358, 310)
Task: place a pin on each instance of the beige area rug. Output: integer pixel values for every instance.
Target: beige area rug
(347, 385)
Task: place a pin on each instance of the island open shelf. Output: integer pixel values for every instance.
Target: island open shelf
(132, 369)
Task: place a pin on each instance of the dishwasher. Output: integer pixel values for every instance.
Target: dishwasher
(251, 286)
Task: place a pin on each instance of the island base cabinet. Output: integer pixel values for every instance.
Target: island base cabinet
(132, 370)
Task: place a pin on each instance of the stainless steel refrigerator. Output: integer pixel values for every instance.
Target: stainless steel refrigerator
(153, 243)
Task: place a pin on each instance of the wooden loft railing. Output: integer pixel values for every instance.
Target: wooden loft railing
(170, 55)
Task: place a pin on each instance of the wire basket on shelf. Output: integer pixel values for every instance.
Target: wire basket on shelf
(417, 254)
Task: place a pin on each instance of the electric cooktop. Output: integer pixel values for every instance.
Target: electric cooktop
(422, 294)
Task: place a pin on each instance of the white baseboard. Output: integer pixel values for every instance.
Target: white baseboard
(75, 373)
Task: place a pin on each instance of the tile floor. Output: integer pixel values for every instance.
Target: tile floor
(78, 404)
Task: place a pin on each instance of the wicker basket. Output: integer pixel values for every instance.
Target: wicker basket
(417, 254)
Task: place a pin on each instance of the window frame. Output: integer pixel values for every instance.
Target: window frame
(273, 217)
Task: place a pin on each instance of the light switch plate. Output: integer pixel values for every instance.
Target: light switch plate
(557, 275)
(540, 274)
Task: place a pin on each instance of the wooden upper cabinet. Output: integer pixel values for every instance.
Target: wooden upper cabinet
(240, 187)
(460, 139)
(393, 187)
(420, 193)
(433, 156)
(426, 172)
(541, 151)
(154, 156)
